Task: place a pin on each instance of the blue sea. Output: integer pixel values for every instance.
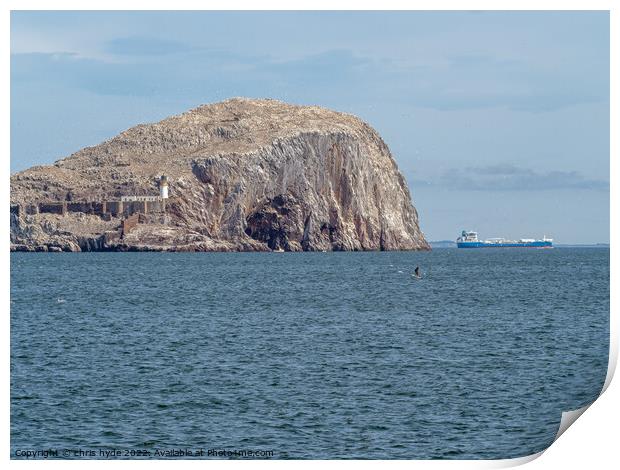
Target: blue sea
(303, 355)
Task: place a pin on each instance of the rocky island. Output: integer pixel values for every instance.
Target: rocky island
(239, 175)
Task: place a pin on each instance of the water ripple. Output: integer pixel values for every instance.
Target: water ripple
(312, 355)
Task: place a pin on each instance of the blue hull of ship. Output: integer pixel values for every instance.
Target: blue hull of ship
(537, 244)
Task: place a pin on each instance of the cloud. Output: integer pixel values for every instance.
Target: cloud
(512, 178)
(483, 81)
(143, 65)
(68, 71)
(145, 46)
(173, 69)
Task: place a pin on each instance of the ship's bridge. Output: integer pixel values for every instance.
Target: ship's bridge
(467, 236)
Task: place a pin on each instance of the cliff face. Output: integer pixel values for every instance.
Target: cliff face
(244, 175)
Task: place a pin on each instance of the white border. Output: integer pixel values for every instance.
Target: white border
(591, 443)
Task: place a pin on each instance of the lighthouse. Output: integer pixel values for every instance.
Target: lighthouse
(163, 187)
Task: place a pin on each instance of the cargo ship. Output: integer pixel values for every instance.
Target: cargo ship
(470, 240)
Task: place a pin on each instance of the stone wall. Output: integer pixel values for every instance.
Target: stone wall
(53, 208)
(101, 208)
(114, 208)
(97, 208)
(143, 206)
(31, 209)
(85, 207)
(130, 223)
(140, 198)
(157, 206)
(134, 207)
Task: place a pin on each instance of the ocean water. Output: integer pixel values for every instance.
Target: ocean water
(304, 355)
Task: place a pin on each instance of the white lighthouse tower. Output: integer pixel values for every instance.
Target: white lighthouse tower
(163, 187)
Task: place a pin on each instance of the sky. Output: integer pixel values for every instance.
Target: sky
(499, 121)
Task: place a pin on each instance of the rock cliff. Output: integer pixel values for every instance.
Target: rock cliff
(247, 175)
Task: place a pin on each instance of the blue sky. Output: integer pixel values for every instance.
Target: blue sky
(498, 120)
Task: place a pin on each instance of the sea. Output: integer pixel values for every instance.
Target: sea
(303, 355)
